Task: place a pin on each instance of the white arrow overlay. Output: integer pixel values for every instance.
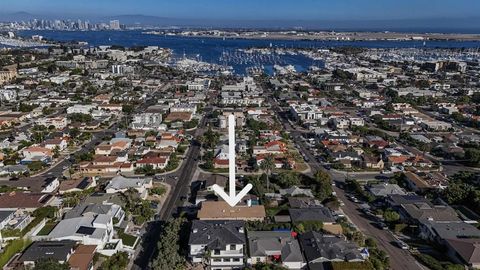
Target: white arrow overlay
(232, 199)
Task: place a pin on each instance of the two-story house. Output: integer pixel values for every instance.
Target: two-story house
(218, 243)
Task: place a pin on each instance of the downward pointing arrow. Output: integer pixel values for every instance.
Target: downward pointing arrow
(232, 199)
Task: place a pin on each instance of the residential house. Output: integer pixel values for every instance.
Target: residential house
(320, 214)
(417, 213)
(27, 201)
(58, 122)
(113, 210)
(147, 121)
(58, 143)
(220, 210)
(302, 112)
(319, 248)
(465, 251)
(385, 189)
(296, 191)
(304, 202)
(83, 109)
(77, 185)
(270, 148)
(272, 246)
(37, 184)
(375, 142)
(179, 116)
(219, 243)
(120, 184)
(34, 153)
(438, 231)
(58, 251)
(155, 162)
(82, 258)
(88, 230)
(425, 181)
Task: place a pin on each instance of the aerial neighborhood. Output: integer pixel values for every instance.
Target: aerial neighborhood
(112, 156)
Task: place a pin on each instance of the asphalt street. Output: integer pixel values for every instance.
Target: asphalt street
(399, 259)
(180, 183)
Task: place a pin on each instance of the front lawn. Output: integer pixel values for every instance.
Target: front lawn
(47, 228)
(127, 239)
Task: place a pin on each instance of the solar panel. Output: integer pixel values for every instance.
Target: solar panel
(83, 184)
(86, 230)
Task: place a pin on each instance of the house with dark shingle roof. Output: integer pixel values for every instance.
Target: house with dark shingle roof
(420, 212)
(466, 251)
(268, 246)
(304, 202)
(59, 251)
(223, 240)
(321, 214)
(319, 248)
(438, 231)
(385, 189)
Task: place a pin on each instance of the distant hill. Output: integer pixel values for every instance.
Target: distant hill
(17, 16)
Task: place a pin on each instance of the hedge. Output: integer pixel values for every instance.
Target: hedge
(351, 266)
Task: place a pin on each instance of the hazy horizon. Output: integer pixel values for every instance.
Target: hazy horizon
(252, 9)
(385, 15)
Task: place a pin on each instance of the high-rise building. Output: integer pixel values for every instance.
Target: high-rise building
(115, 25)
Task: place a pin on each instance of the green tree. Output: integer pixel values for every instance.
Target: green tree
(267, 166)
(322, 185)
(169, 256)
(56, 151)
(50, 264)
(473, 156)
(456, 192)
(117, 261)
(288, 179)
(127, 109)
(211, 138)
(74, 132)
(391, 216)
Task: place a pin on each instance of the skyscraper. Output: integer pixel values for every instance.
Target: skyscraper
(115, 25)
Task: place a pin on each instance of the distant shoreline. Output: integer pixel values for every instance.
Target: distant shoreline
(334, 36)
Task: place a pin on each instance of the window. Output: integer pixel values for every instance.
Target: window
(216, 252)
(232, 247)
(217, 260)
(236, 259)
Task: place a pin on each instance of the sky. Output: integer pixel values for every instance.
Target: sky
(253, 9)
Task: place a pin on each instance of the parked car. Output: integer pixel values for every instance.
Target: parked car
(381, 225)
(402, 244)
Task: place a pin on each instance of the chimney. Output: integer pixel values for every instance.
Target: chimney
(195, 230)
(241, 230)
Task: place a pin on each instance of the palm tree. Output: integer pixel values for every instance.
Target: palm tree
(267, 166)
